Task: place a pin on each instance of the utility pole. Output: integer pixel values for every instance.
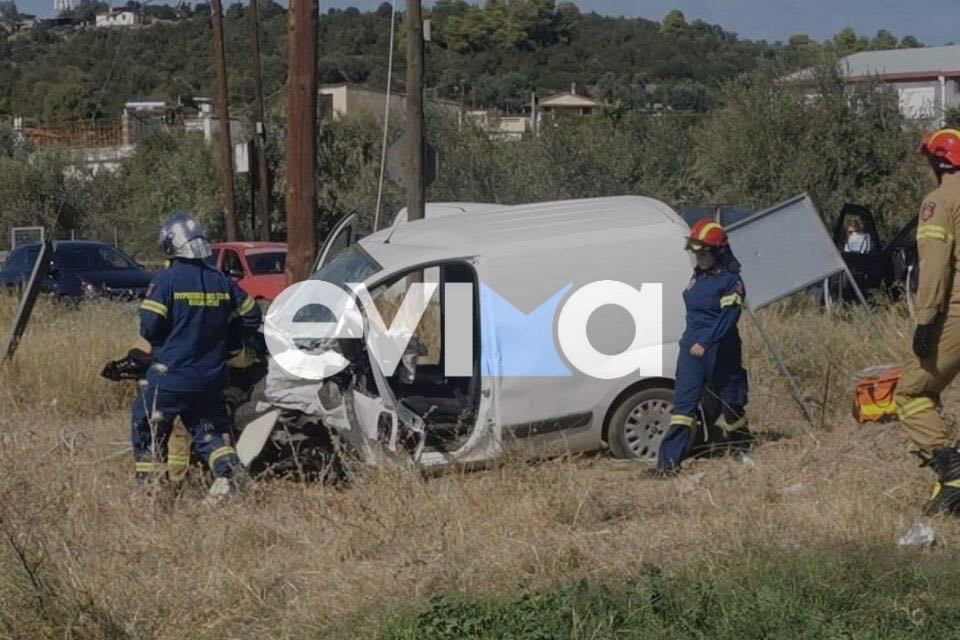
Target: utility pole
(301, 137)
(262, 202)
(223, 115)
(414, 165)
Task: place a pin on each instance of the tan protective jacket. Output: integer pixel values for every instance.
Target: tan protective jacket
(937, 232)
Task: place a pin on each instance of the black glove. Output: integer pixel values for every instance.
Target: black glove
(921, 340)
(133, 367)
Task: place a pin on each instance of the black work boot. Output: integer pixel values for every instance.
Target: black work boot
(946, 493)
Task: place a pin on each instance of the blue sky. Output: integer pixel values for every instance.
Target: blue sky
(932, 21)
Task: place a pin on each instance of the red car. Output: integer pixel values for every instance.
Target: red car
(257, 267)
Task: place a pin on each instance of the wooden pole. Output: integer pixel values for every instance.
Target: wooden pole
(223, 115)
(414, 168)
(301, 137)
(262, 202)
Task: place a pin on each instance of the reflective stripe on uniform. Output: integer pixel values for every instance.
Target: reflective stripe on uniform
(683, 421)
(178, 461)
(731, 300)
(953, 484)
(739, 423)
(707, 228)
(246, 307)
(933, 232)
(147, 467)
(916, 406)
(154, 306)
(219, 453)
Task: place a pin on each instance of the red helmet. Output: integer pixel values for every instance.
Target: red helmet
(943, 145)
(707, 233)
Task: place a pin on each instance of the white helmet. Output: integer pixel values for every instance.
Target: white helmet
(183, 237)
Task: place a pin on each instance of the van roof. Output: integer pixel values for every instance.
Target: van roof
(521, 226)
(441, 209)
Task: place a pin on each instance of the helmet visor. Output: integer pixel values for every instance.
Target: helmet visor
(196, 249)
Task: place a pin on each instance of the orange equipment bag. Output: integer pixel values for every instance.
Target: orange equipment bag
(873, 400)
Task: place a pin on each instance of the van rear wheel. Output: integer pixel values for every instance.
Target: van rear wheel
(639, 424)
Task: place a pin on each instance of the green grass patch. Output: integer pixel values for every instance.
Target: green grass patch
(879, 594)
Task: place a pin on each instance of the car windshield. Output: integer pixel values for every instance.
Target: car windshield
(272, 262)
(353, 264)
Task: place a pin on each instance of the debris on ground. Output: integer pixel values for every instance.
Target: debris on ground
(691, 482)
(919, 535)
(794, 489)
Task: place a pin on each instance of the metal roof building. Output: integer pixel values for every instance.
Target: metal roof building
(927, 63)
(927, 79)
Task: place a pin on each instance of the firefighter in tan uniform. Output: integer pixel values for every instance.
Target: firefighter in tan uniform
(936, 340)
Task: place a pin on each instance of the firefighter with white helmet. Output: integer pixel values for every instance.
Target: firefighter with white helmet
(193, 316)
(936, 339)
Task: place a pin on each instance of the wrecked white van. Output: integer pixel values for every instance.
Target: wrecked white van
(550, 328)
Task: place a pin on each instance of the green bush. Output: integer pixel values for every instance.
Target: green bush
(773, 139)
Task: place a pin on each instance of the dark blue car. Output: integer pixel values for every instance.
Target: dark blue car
(79, 269)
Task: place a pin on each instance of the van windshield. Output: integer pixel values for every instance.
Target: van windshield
(353, 264)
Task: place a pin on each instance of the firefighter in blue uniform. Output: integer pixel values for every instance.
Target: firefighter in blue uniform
(193, 316)
(710, 360)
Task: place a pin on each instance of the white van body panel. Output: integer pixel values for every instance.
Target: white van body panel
(525, 256)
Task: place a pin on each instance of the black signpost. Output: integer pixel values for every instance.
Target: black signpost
(28, 299)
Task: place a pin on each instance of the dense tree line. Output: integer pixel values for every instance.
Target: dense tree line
(493, 55)
(763, 144)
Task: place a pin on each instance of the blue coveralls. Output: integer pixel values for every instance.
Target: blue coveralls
(193, 316)
(713, 299)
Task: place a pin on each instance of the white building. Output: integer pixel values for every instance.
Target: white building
(120, 18)
(207, 124)
(349, 100)
(927, 80)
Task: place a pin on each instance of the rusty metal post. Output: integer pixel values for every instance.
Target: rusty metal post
(262, 202)
(301, 137)
(414, 177)
(223, 115)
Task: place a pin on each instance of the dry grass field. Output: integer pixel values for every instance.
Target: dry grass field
(82, 555)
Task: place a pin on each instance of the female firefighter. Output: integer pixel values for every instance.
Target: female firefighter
(710, 358)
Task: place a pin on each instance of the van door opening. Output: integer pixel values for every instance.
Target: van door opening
(448, 406)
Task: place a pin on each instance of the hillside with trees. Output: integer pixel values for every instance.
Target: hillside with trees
(720, 139)
(493, 55)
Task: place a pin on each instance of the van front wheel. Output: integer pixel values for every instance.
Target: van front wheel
(639, 424)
